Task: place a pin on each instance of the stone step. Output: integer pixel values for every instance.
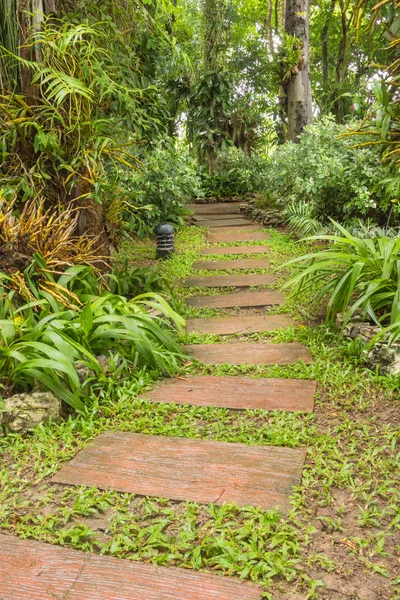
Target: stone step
(252, 227)
(239, 324)
(216, 208)
(236, 236)
(236, 250)
(216, 281)
(222, 265)
(242, 353)
(237, 299)
(37, 571)
(226, 217)
(292, 395)
(187, 469)
(239, 221)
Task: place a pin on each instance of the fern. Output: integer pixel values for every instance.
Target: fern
(301, 217)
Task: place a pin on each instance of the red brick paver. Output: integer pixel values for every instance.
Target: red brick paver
(37, 571)
(239, 236)
(239, 299)
(236, 250)
(242, 353)
(216, 281)
(240, 263)
(216, 208)
(291, 395)
(222, 222)
(187, 469)
(239, 324)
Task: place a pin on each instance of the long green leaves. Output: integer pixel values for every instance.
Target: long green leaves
(356, 274)
(42, 340)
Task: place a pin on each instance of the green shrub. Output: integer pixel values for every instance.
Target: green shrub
(355, 274)
(42, 339)
(336, 180)
(158, 189)
(237, 174)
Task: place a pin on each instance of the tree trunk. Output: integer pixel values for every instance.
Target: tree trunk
(341, 63)
(299, 84)
(324, 44)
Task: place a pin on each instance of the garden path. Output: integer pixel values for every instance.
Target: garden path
(183, 468)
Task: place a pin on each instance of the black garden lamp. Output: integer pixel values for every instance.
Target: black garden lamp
(165, 240)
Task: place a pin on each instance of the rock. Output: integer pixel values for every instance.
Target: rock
(25, 411)
(270, 217)
(84, 372)
(105, 363)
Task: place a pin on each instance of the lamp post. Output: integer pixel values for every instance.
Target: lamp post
(165, 240)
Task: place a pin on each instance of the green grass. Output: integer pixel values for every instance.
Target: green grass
(344, 520)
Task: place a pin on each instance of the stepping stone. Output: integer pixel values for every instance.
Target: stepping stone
(38, 571)
(221, 265)
(234, 230)
(239, 299)
(291, 395)
(214, 281)
(242, 353)
(217, 208)
(236, 250)
(223, 222)
(243, 325)
(228, 216)
(239, 236)
(187, 469)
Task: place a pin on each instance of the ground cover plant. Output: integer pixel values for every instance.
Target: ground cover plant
(342, 531)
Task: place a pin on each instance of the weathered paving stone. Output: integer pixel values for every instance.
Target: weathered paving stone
(187, 469)
(227, 217)
(216, 281)
(239, 324)
(239, 299)
(292, 395)
(236, 230)
(236, 250)
(239, 236)
(242, 353)
(37, 571)
(217, 208)
(222, 265)
(223, 222)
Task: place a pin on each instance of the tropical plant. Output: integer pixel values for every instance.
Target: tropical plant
(75, 319)
(236, 174)
(338, 180)
(159, 190)
(356, 274)
(50, 233)
(301, 217)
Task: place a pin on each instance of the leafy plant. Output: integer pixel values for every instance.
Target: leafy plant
(301, 217)
(356, 274)
(236, 174)
(42, 339)
(159, 189)
(338, 180)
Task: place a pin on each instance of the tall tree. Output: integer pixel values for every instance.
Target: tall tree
(299, 99)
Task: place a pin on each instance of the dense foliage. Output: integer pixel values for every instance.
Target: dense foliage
(76, 318)
(329, 174)
(158, 189)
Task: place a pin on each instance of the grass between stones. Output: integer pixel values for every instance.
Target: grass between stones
(341, 537)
